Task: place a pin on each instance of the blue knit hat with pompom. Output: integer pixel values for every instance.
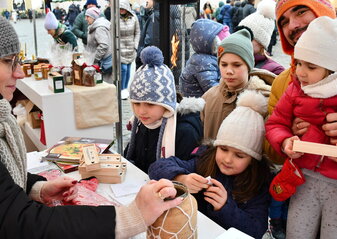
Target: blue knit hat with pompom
(154, 82)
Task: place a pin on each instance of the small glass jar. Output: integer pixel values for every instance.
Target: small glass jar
(27, 69)
(37, 72)
(88, 77)
(98, 77)
(67, 73)
(56, 69)
(45, 71)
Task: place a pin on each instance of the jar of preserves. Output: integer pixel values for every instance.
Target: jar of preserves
(45, 71)
(88, 77)
(67, 73)
(27, 69)
(37, 72)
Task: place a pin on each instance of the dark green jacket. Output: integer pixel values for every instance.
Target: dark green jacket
(80, 27)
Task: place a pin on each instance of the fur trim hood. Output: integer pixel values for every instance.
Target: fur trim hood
(190, 105)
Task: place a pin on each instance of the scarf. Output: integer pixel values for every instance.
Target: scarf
(12, 147)
(325, 88)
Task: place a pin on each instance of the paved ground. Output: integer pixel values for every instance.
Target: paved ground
(25, 31)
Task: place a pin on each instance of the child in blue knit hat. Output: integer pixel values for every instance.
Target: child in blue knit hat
(161, 127)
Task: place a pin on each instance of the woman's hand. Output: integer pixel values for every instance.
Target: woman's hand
(194, 182)
(62, 188)
(287, 147)
(150, 199)
(216, 195)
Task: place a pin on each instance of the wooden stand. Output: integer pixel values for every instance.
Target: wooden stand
(107, 168)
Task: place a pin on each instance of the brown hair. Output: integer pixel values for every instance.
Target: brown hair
(246, 184)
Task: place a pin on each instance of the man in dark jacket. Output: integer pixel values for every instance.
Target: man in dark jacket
(72, 14)
(248, 8)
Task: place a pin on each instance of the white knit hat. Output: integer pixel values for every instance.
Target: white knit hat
(243, 128)
(318, 44)
(50, 22)
(262, 22)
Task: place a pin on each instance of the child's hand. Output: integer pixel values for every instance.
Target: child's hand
(194, 182)
(287, 147)
(216, 195)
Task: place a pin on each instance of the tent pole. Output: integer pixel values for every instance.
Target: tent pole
(116, 68)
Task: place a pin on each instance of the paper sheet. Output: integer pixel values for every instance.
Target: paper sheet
(34, 161)
(124, 189)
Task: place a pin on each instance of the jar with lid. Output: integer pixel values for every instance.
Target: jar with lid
(27, 69)
(45, 71)
(88, 77)
(37, 72)
(67, 73)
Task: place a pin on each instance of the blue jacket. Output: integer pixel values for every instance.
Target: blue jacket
(201, 71)
(250, 217)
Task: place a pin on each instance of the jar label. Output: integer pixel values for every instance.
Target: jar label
(58, 85)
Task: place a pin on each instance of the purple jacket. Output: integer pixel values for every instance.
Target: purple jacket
(263, 62)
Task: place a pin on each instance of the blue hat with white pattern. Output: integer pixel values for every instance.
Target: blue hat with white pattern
(154, 82)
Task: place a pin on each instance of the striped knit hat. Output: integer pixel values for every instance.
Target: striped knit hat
(319, 8)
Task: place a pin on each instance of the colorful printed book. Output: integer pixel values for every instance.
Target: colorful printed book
(69, 149)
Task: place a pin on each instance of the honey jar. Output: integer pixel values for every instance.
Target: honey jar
(45, 71)
(27, 69)
(38, 72)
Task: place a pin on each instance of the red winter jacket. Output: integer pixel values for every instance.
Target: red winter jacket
(294, 103)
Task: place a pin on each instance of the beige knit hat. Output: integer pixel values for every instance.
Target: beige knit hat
(243, 128)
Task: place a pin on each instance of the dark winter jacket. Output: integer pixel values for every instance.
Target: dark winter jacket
(250, 217)
(264, 62)
(64, 36)
(248, 9)
(22, 218)
(72, 14)
(80, 27)
(201, 71)
(189, 133)
(226, 14)
(149, 35)
(237, 14)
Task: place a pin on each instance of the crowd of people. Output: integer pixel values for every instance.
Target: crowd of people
(233, 117)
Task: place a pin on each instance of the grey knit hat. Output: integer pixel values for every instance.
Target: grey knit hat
(9, 41)
(239, 43)
(154, 82)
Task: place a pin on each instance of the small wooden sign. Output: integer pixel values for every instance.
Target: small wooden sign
(315, 148)
(90, 157)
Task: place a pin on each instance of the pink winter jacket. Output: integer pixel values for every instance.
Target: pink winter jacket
(295, 103)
